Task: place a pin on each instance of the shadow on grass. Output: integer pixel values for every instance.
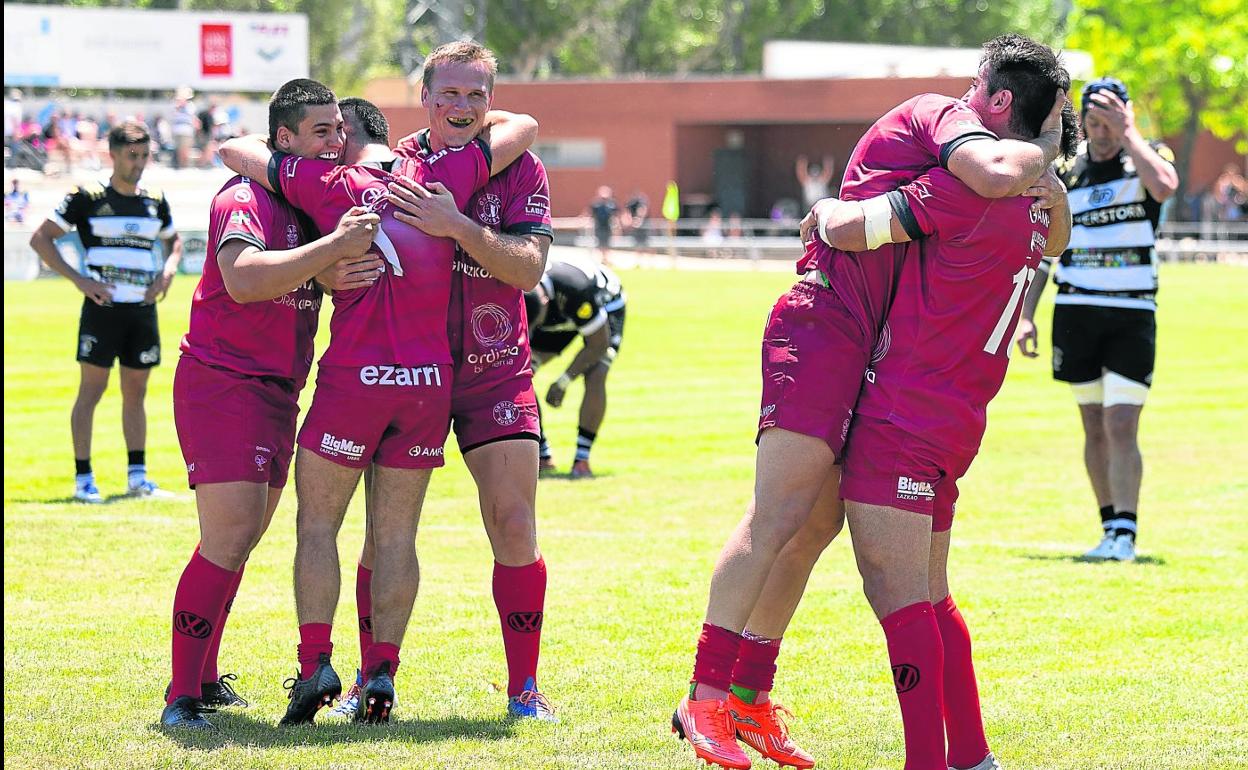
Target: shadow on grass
(236, 729)
(567, 476)
(118, 497)
(1158, 561)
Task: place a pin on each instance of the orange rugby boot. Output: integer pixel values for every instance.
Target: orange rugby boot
(762, 727)
(708, 727)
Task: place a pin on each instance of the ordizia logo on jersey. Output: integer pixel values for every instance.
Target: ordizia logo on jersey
(341, 447)
(909, 489)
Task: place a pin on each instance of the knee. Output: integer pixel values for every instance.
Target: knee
(513, 526)
(1094, 432)
(90, 395)
(774, 526)
(1120, 428)
(229, 547)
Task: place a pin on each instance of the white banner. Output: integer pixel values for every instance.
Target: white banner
(51, 46)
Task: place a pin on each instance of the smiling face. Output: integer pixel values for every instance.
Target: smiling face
(319, 134)
(457, 98)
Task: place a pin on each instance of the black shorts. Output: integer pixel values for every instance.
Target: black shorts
(553, 343)
(126, 332)
(1088, 340)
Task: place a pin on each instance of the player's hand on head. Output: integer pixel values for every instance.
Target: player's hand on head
(1051, 128)
(1048, 191)
(1025, 336)
(98, 292)
(1118, 114)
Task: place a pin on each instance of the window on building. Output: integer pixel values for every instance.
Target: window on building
(571, 153)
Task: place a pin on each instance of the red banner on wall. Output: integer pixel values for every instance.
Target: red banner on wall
(216, 50)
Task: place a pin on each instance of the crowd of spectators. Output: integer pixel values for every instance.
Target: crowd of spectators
(58, 138)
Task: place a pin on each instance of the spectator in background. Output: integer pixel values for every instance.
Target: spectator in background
(12, 119)
(16, 201)
(162, 132)
(184, 124)
(815, 179)
(735, 226)
(88, 137)
(637, 212)
(1230, 195)
(606, 215)
(713, 232)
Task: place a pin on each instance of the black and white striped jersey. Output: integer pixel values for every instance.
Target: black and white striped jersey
(119, 234)
(1111, 260)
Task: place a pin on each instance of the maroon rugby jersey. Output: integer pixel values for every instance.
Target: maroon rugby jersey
(269, 338)
(958, 302)
(916, 135)
(487, 326)
(401, 319)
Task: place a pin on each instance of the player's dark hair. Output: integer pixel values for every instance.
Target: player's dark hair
(1032, 72)
(126, 133)
(366, 118)
(462, 52)
(290, 102)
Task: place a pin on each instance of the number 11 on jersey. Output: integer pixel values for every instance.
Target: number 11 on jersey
(1022, 282)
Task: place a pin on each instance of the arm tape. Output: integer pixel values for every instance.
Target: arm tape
(877, 216)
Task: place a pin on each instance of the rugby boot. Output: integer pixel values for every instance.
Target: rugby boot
(307, 696)
(186, 713)
(347, 706)
(88, 492)
(708, 727)
(377, 697)
(144, 487)
(1104, 550)
(989, 763)
(218, 694)
(762, 727)
(546, 466)
(531, 704)
(580, 470)
(1124, 548)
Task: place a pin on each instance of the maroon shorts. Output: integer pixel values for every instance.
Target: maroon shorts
(814, 358)
(396, 416)
(503, 410)
(887, 465)
(234, 427)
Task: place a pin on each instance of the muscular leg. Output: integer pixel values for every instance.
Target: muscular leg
(1096, 452)
(398, 495)
(594, 404)
(133, 413)
(1125, 465)
(324, 489)
(506, 476)
(790, 472)
(786, 582)
(893, 549)
(91, 388)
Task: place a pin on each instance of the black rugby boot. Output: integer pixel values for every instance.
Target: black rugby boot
(377, 698)
(307, 696)
(186, 713)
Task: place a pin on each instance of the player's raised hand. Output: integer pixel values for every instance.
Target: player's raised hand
(356, 230)
(98, 292)
(1048, 191)
(1025, 336)
(431, 208)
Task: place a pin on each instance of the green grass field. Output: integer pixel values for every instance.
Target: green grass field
(1116, 666)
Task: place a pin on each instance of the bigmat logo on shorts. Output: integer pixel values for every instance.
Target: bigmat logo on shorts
(405, 376)
(909, 489)
(334, 446)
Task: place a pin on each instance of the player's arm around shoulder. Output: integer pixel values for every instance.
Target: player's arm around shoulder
(508, 135)
(1005, 167)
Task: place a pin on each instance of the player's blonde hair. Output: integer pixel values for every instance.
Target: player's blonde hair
(461, 52)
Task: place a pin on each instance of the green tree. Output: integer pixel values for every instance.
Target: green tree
(1184, 61)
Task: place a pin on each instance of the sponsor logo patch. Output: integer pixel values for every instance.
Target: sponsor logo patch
(292, 235)
(192, 625)
(1100, 196)
(525, 622)
(150, 356)
(425, 451)
(402, 376)
(585, 311)
(537, 205)
(506, 413)
(905, 677)
(490, 209)
(240, 218)
(85, 343)
(341, 447)
(242, 193)
(909, 489)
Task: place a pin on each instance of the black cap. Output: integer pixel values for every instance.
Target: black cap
(1113, 85)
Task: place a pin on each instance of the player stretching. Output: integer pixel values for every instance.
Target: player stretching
(383, 396)
(838, 312)
(119, 224)
(244, 361)
(502, 243)
(577, 297)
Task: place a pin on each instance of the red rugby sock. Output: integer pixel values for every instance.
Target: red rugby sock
(197, 604)
(964, 723)
(378, 653)
(520, 596)
(314, 639)
(717, 654)
(914, 649)
(364, 607)
(754, 673)
(210, 673)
